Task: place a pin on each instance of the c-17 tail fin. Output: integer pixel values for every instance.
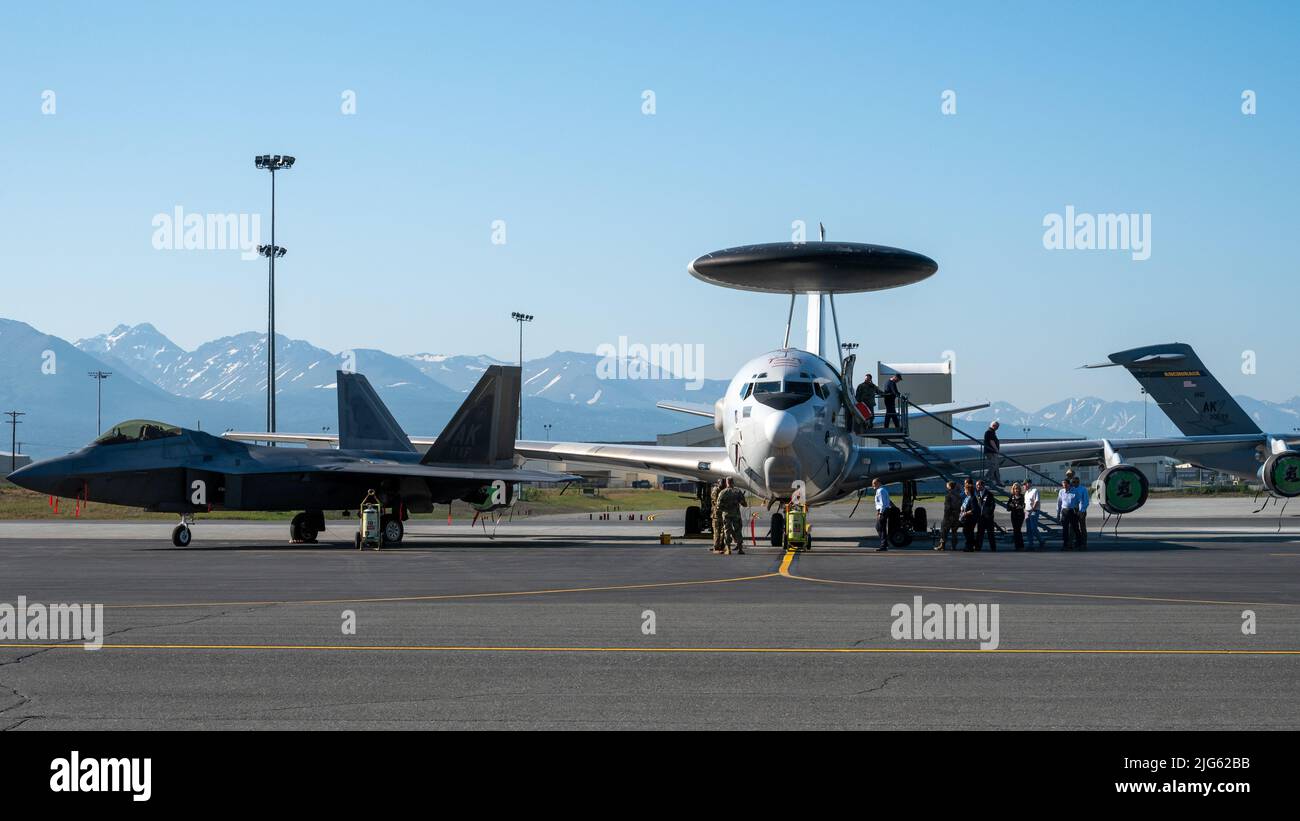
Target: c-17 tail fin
(483, 430)
(1192, 399)
(364, 421)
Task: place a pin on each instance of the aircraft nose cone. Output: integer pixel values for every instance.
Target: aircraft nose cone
(781, 428)
(31, 477)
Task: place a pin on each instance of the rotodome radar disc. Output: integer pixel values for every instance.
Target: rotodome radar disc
(816, 267)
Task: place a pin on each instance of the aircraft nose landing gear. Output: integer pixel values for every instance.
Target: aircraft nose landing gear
(181, 533)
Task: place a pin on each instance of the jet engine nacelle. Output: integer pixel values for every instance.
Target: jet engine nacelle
(1280, 473)
(497, 495)
(719, 409)
(1122, 489)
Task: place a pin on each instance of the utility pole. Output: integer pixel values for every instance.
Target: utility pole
(99, 377)
(521, 319)
(13, 438)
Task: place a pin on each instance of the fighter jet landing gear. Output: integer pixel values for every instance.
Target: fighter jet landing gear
(306, 526)
(181, 533)
(392, 527)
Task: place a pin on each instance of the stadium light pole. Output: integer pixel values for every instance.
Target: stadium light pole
(521, 319)
(13, 437)
(548, 427)
(1144, 412)
(99, 377)
(272, 253)
(271, 163)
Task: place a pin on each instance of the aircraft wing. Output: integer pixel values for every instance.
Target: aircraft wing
(311, 440)
(891, 465)
(703, 464)
(946, 407)
(693, 408)
(478, 473)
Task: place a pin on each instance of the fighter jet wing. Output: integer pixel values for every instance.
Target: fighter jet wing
(311, 440)
(704, 464)
(442, 471)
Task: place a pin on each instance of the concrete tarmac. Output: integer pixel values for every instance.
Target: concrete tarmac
(562, 622)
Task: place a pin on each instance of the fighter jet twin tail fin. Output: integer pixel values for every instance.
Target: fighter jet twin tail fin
(482, 432)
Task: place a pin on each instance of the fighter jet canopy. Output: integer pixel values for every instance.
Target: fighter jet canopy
(137, 430)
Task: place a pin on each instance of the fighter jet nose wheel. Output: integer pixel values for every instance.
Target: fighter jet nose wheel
(181, 536)
(393, 529)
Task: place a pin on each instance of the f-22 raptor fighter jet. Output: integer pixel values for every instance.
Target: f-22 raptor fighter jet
(162, 467)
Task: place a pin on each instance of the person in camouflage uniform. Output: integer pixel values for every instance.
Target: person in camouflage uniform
(730, 503)
(715, 516)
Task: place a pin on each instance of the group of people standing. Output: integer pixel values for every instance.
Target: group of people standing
(972, 510)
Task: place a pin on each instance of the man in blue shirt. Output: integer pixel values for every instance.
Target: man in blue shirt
(1067, 510)
(1082, 500)
(882, 514)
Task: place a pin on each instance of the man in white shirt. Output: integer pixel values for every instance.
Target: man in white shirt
(882, 514)
(1033, 508)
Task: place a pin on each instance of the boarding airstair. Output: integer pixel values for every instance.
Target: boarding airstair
(950, 471)
(900, 439)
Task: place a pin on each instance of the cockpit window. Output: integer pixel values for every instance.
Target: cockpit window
(137, 430)
(745, 390)
(783, 395)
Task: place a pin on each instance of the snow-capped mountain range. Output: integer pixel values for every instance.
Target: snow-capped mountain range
(221, 384)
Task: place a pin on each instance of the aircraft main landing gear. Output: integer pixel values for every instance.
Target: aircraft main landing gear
(392, 528)
(306, 526)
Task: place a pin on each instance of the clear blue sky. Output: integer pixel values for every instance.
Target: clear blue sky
(766, 113)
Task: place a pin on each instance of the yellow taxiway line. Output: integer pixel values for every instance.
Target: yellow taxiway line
(444, 596)
(453, 648)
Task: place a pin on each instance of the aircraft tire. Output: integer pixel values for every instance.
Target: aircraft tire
(778, 530)
(181, 536)
(393, 530)
(694, 520)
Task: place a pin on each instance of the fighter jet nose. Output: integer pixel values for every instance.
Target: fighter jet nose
(781, 428)
(40, 477)
(27, 476)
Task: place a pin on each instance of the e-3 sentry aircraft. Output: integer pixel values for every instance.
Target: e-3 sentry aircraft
(162, 467)
(788, 416)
